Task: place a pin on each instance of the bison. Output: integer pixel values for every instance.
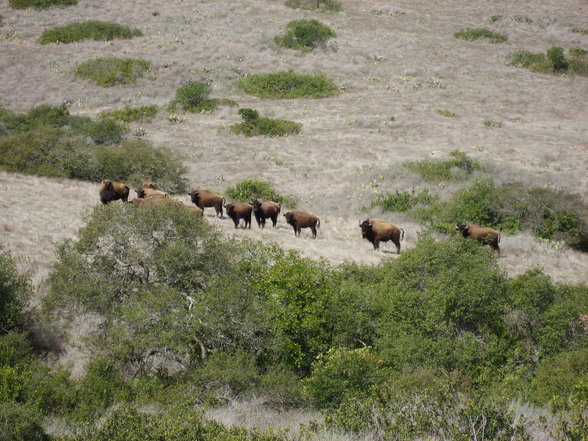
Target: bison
(484, 235)
(264, 209)
(205, 198)
(112, 191)
(302, 219)
(238, 211)
(378, 230)
(147, 189)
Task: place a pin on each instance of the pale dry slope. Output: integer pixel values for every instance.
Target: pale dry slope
(392, 59)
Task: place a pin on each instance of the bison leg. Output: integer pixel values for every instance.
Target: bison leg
(376, 244)
(236, 221)
(274, 220)
(295, 230)
(248, 221)
(397, 243)
(313, 229)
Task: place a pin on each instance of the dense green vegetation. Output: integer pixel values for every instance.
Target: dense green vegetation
(288, 85)
(255, 125)
(249, 189)
(304, 35)
(554, 60)
(87, 30)
(40, 4)
(460, 166)
(131, 114)
(112, 70)
(315, 5)
(48, 141)
(437, 341)
(477, 33)
(194, 97)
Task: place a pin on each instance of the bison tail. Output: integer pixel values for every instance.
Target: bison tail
(318, 224)
(401, 234)
(499, 237)
(279, 208)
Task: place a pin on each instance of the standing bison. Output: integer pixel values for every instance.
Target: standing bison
(264, 209)
(205, 198)
(484, 235)
(302, 219)
(378, 230)
(112, 191)
(238, 211)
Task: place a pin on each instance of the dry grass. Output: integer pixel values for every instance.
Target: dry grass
(400, 62)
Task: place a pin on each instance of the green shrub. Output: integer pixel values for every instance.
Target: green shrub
(315, 5)
(557, 58)
(131, 114)
(288, 85)
(577, 51)
(105, 131)
(254, 125)
(137, 161)
(579, 30)
(445, 112)
(403, 200)
(553, 61)
(20, 422)
(304, 34)
(44, 115)
(49, 152)
(459, 167)
(112, 70)
(87, 30)
(343, 373)
(528, 59)
(40, 4)
(477, 33)
(14, 289)
(491, 123)
(194, 97)
(248, 189)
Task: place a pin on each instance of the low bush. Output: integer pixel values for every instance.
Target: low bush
(87, 30)
(104, 131)
(254, 125)
(459, 167)
(110, 71)
(288, 85)
(577, 51)
(248, 189)
(492, 123)
(40, 4)
(304, 35)
(131, 114)
(477, 33)
(315, 5)
(445, 112)
(403, 200)
(20, 422)
(194, 97)
(44, 115)
(553, 61)
(14, 290)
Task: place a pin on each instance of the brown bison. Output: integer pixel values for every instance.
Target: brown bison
(302, 219)
(139, 202)
(205, 198)
(147, 189)
(378, 230)
(264, 209)
(112, 191)
(238, 211)
(484, 235)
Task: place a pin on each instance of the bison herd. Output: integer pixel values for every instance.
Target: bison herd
(374, 230)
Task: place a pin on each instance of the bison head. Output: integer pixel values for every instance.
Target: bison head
(463, 229)
(366, 228)
(256, 204)
(195, 196)
(288, 215)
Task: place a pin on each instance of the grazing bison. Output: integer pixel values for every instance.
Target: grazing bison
(302, 219)
(378, 230)
(238, 211)
(484, 235)
(150, 193)
(264, 209)
(112, 191)
(205, 198)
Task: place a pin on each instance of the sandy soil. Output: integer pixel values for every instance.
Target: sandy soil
(396, 62)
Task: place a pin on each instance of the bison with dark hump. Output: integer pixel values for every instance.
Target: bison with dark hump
(484, 235)
(302, 219)
(378, 230)
(264, 209)
(112, 191)
(205, 198)
(238, 211)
